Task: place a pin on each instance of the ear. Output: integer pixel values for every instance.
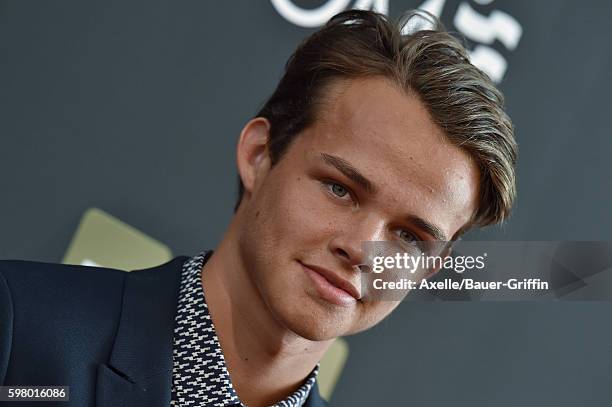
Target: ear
(252, 154)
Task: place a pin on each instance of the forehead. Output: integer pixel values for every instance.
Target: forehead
(389, 136)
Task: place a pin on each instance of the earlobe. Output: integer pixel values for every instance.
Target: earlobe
(252, 154)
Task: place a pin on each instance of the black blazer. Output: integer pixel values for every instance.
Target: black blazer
(105, 333)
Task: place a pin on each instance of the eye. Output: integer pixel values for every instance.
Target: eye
(337, 190)
(411, 240)
(407, 236)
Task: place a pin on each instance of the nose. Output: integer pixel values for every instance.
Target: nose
(347, 243)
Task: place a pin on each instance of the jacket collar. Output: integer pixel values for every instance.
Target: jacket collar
(139, 372)
(314, 398)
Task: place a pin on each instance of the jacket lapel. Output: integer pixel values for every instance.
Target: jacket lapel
(139, 372)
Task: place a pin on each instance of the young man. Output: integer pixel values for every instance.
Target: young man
(369, 136)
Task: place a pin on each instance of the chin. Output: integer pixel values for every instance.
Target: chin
(315, 332)
(314, 321)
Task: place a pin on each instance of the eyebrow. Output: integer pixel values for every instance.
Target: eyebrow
(352, 173)
(428, 227)
(349, 171)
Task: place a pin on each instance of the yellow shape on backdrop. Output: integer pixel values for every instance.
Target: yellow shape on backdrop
(103, 240)
(331, 367)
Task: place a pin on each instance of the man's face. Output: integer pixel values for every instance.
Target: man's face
(372, 167)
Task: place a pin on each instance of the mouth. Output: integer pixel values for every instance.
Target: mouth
(332, 287)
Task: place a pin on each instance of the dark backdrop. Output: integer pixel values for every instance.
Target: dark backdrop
(134, 107)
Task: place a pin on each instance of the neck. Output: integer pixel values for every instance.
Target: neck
(266, 361)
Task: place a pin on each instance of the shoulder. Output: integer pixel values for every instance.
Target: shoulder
(64, 318)
(40, 286)
(40, 290)
(49, 293)
(56, 315)
(17, 271)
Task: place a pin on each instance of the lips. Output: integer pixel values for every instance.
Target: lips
(335, 280)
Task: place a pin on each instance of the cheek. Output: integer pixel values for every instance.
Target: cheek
(297, 210)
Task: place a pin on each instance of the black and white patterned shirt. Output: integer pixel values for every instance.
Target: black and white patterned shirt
(199, 375)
